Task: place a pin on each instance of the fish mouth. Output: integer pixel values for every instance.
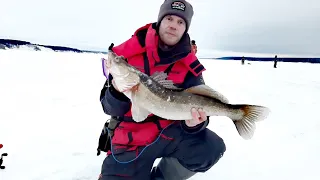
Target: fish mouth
(119, 72)
(108, 63)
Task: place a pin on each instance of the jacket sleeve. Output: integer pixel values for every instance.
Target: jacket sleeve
(191, 81)
(113, 102)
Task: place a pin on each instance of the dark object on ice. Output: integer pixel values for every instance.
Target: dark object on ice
(242, 60)
(36, 48)
(1, 159)
(275, 61)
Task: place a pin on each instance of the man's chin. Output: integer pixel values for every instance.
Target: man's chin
(171, 42)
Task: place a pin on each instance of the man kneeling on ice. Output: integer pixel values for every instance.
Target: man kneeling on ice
(186, 147)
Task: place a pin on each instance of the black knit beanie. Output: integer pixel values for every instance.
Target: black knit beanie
(179, 8)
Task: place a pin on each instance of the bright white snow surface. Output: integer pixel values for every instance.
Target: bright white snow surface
(51, 117)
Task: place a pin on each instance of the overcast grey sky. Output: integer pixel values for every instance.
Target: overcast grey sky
(273, 26)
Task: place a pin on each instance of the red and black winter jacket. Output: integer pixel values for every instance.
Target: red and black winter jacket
(142, 51)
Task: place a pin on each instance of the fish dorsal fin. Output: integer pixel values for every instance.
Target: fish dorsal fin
(205, 90)
(161, 78)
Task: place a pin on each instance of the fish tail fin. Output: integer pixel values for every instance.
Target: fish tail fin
(251, 114)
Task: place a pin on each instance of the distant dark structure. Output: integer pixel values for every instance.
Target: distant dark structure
(242, 60)
(275, 62)
(9, 43)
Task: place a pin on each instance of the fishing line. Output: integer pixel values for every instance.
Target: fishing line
(126, 162)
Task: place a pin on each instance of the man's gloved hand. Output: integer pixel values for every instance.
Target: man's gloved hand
(199, 116)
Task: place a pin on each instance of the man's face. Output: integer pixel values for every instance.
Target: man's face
(171, 29)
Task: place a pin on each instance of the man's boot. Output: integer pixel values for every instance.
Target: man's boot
(170, 169)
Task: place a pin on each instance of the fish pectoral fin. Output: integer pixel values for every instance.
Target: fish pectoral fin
(139, 114)
(251, 114)
(160, 77)
(207, 91)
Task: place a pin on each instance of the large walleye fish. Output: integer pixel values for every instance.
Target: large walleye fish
(156, 95)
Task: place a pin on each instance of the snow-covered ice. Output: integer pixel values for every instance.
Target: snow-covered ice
(51, 117)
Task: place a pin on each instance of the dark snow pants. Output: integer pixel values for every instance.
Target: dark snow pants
(183, 155)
